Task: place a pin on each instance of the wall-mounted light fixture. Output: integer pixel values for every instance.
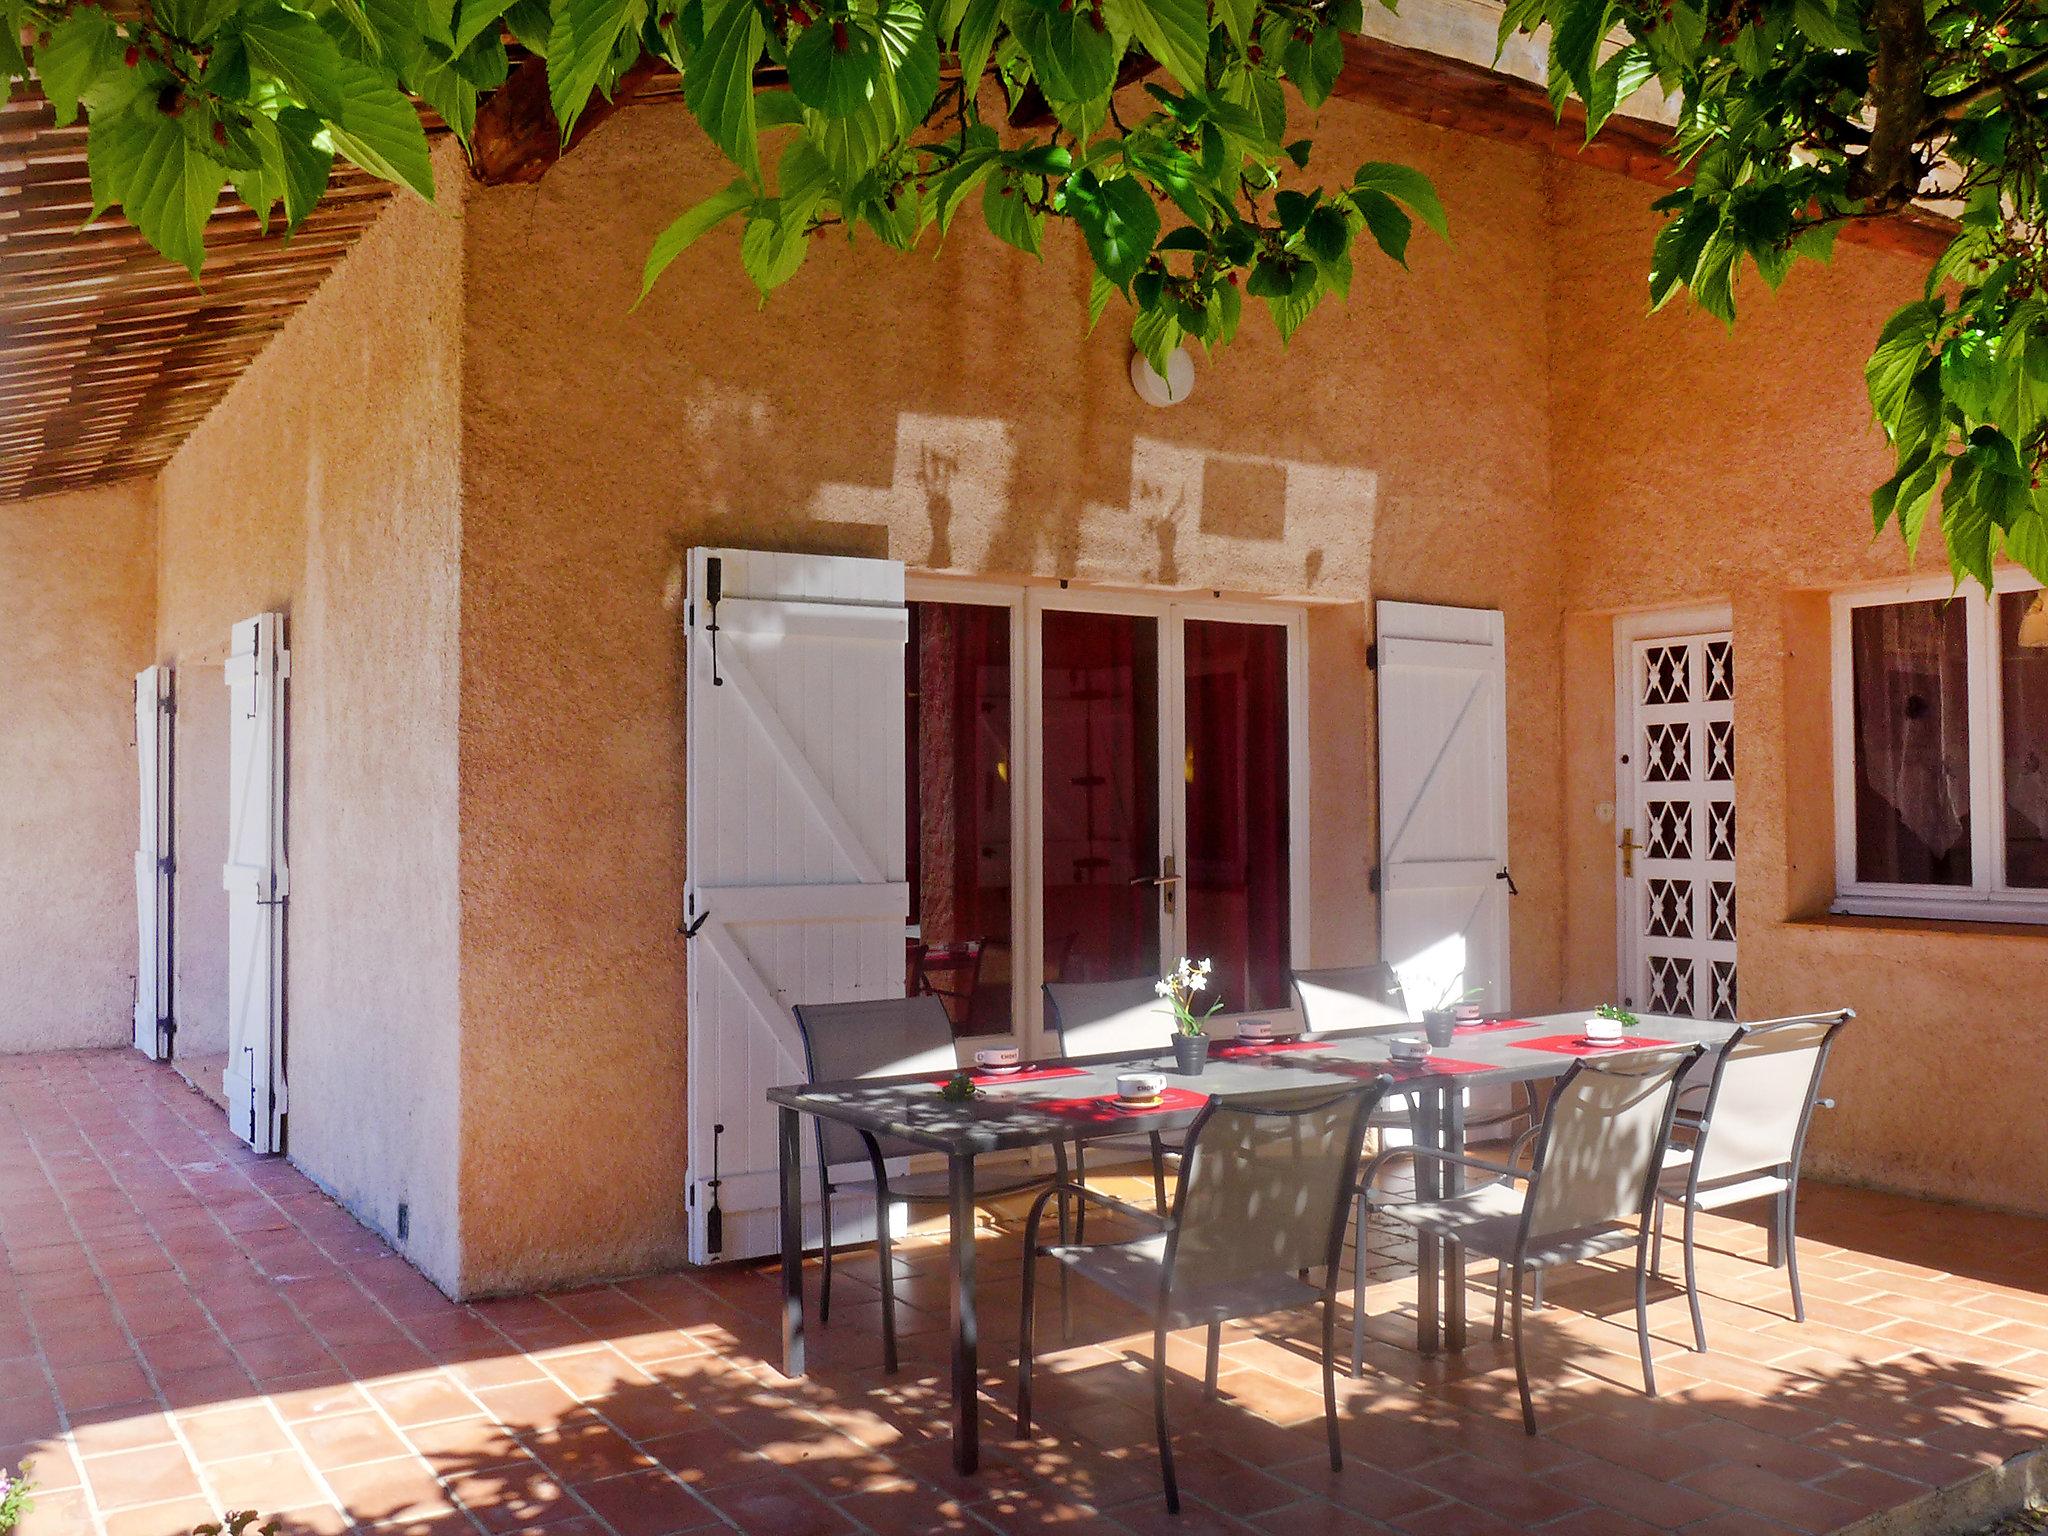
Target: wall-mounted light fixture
(2034, 623)
(1174, 386)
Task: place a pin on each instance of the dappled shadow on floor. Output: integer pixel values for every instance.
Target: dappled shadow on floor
(188, 1329)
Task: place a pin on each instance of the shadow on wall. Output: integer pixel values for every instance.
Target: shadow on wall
(1192, 513)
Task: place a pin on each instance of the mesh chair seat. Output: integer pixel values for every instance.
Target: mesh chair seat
(1714, 1197)
(1489, 1221)
(1133, 1270)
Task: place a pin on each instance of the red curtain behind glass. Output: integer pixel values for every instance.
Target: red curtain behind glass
(1236, 769)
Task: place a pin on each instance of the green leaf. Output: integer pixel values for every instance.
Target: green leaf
(580, 46)
(379, 129)
(1118, 219)
(147, 161)
(1578, 27)
(1389, 225)
(1897, 358)
(2026, 540)
(834, 65)
(1965, 521)
(1676, 255)
(1175, 32)
(977, 34)
(13, 62)
(293, 50)
(1620, 76)
(1314, 65)
(83, 46)
(1821, 25)
(1156, 333)
(1970, 374)
(1010, 218)
(193, 20)
(683, 233)
(1408, 186)
(307, 162)
(910, 50)
(771, 251)
(1239, 17)
(1073, 59)
(1100, 291)
(475, 18)
(719, 86)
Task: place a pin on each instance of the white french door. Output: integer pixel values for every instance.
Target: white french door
(1676, 815)
(257, 882)
(1157, 793)
(153, 704)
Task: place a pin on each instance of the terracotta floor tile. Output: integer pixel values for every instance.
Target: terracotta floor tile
(777, 1505)
(168, 1519)
(400, 1489)
(224, 1433)
(62, 1512)
(647, 1503)
(278, 1479)
(348, 1439)
(95, 1434)
(141, 1477)
(423, 1400)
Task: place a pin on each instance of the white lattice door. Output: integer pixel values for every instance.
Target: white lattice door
(1678, 837)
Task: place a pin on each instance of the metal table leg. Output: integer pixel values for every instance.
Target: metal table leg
(1451, 1125)
(966, 1375)
(1428, 1185)
(790, 1160)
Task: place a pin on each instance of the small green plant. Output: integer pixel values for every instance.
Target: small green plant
(14, 1497)
(1618, 1014)
(1179, 989)
(237, 1523)
(958, 1089)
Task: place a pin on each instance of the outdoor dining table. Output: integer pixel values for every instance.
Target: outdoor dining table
(1063, 1102)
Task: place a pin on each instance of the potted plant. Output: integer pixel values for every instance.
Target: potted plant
(1440, 1021)
(14, 1498)
(1190, 1043)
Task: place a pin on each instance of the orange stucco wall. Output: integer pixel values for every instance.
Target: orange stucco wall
(957, 416)
(1695, 464)
(76, 614)
(324, 486)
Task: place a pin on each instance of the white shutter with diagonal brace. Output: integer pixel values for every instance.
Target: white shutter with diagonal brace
(256, 881)
(794, 843)
(1444, 885)
(153, 705)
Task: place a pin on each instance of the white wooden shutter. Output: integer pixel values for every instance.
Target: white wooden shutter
(794, 843)
(153, 863)
(1442, 676)
(256, 881)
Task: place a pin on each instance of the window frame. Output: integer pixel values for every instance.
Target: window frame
(1987, 898)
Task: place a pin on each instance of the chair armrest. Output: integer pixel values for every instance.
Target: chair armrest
(1064, 1189)
(1499, 1172)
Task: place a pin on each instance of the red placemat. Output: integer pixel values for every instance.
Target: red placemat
(1237, 1050)
(1405, 1071)
(1103, 1108)
(1485, 1026)
(1575, 1045)
(982, 1078)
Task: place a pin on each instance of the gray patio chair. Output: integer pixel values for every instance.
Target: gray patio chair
(1367, 999)
(887, 1037)
(1590, 1190)
(1261, 1202)
(1746, 1142)
(1115, 1018)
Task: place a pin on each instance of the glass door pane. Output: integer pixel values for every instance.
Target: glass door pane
(957, 733)
(1101, 769)
(1911, 675)
(1237, 809)
(2023, 693)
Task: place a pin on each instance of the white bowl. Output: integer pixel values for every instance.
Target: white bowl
(1140, 1085)
(1254, 1029)
(1604, 1030)
(996, 1056)
(1469, 1013)
(1409, 1048)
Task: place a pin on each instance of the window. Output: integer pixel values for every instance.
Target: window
(1941, 751)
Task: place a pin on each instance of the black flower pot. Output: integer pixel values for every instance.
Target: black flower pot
(1190, 1053)
(1440, 1024)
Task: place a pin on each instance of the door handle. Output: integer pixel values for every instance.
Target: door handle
(1629, 848)
(1164, 881)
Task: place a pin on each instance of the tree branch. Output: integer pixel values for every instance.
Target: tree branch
(1889, 172)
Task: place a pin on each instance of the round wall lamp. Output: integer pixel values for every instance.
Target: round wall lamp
(1174, 386)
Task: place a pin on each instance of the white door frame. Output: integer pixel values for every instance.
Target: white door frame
(1710, 619)
(1028, 606)
(154, 1031)
(254, 1083)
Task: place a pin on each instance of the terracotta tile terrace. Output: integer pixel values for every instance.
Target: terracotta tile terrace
(187, 1328)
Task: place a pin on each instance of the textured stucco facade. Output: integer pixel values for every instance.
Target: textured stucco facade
(325, 487)
(469, 470)
(77, 606)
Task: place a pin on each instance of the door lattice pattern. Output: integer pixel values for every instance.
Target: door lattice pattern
(1682, 899)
